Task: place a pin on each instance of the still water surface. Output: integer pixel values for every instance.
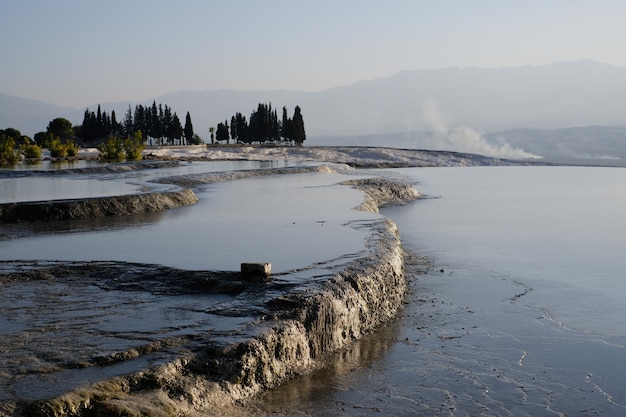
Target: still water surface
(290, 221)
(521, 314)
(28, 182)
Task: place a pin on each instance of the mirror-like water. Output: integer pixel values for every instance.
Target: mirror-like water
(13, 190)
(522, 313)
(48, 165)
(292, 222)
(39, 185)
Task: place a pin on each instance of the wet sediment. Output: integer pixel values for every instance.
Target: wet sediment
(298, 329)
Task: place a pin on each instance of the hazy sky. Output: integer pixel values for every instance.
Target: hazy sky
(78, 53)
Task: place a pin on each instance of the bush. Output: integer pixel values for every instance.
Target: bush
(8, 155)
(112, 150)
(134, 147)
(195, 140)
(71, 149)
(57, 149)
(31, 151)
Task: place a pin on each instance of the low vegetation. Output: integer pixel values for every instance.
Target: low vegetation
(62, 150)
(8, 154)
(30, 150)
(116, 149)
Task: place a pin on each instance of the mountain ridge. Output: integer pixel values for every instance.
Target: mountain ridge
(555, 95)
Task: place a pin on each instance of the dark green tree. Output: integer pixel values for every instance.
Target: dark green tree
(188, 130)
(43, 139)
(89, 129)
(127, 125)
(264, 124)
(174, 130)
(233, 129)
(99, 130)
(239, 129)
(12, 133)
(166, 119)
(298, 127)
(221, 134)
(116, 128)
(140, 122)
(155, 122)
(17, 136)
(287, 127)
(62, 128)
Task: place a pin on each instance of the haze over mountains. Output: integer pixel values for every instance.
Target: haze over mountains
(450, 104)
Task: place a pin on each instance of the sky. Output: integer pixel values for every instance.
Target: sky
(78, 53)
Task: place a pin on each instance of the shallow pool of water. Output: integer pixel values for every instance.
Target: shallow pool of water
(35, 184)
(521, 314)
(290, 221)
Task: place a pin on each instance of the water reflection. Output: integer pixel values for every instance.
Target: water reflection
(72, 179)
(258, 219)
(110, 223)
(49, 165)
(41, 188)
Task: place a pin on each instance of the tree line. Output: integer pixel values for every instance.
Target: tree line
(158, 126)
(263, 126)
(148, 125)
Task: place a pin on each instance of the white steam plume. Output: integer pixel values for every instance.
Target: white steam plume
(466, 139)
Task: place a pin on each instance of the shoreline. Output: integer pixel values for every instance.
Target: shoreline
(304, 329)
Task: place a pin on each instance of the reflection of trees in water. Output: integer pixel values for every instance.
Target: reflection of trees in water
(107, 223)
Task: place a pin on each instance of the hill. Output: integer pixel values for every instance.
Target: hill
(452, 102)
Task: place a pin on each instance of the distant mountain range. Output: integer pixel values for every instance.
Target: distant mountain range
(444, 101)
(584, 145)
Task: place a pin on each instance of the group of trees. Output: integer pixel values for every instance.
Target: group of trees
(158, 125)
(152, 125)
(264, 126)
(115, 140)
(13, 144)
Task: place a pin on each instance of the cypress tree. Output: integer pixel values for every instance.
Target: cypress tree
(175, 130)
(188, 129)
(128, 123)
(233, 129)
(298, 127)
